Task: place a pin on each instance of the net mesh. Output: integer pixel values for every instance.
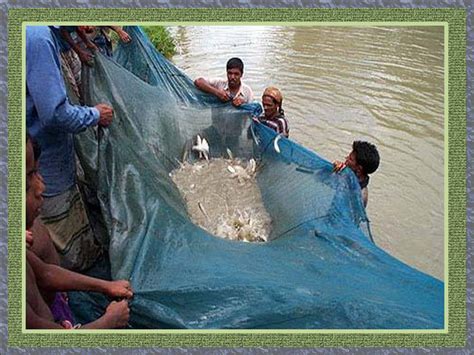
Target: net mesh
(320, 269)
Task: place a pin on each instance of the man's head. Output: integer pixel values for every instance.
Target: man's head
(87, 29)
(34, 183)
(364, 158)
(271, 102)
(235, 70)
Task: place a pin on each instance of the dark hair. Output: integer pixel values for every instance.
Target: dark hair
(235, 63)
(36, 147)
(367, 156)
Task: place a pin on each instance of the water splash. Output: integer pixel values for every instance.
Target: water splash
(222, 197)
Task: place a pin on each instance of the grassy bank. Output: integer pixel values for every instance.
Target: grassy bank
(161, 39)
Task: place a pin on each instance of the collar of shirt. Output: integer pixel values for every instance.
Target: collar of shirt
(226, 88)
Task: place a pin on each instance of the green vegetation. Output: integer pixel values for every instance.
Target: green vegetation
(161, 39)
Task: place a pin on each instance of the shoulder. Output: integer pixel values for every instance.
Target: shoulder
(283, 121)
(282, 117)
(39, 39)
(283, 126)
(38, 33)
(246, 89)
(43, 246)
(245, 86)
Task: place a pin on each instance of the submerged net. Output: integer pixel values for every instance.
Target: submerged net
(222, 197)
(319, 269)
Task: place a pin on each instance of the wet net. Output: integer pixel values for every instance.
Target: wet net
(319, 270)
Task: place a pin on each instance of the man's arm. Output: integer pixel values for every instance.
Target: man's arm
(82, 34)
(124, 36)
(45, 85)
(204, 85)
(42, 245)
(116, 315)
(34, 321)
(55, 278)
(84, 56)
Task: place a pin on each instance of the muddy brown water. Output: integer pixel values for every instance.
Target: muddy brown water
(381, 84)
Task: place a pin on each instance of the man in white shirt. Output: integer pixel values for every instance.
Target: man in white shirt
(232, 89)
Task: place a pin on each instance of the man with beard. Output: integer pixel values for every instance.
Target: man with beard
(232, 89)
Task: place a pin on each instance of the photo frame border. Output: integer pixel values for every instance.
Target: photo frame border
(455, 20)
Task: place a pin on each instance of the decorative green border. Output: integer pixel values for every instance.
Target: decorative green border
(455, 19)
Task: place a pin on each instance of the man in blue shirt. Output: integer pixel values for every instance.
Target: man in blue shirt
(52, 120)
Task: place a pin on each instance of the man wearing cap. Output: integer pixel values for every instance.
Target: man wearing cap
(273, 115)
(232, 89)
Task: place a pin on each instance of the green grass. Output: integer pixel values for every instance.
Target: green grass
(161, 39)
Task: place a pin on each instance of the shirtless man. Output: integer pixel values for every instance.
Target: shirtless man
(44, 278)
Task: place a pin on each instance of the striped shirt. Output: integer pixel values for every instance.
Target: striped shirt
(279, 124)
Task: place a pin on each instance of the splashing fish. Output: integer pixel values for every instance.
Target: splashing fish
(202, 147)
(223, 198)
(275, 144)
(243, 174)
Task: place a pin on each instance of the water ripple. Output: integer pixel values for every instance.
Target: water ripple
(383, 84)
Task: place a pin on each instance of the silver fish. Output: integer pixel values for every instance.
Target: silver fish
(275, 144)
(229, 154)
(202, 147)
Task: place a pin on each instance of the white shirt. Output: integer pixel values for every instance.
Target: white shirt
(244, 91)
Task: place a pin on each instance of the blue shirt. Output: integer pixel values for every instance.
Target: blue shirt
(50, 118)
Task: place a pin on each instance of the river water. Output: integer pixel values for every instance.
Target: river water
(381, 84)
